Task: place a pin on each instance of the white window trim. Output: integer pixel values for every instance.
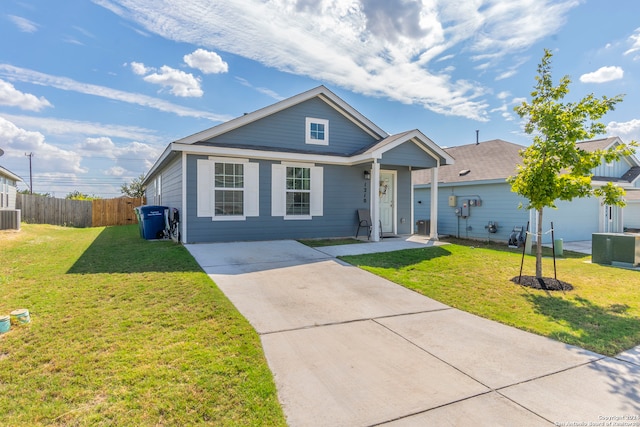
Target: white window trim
(307, 134)
(206, 188)
(158, 185)
(279, 191)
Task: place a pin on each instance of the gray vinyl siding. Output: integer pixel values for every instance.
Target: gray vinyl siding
(572, 221)
(286, 131)
(612, 170)
(632, 215)
(408, 154)
(172, 184)
(499, 205)
(343, 195)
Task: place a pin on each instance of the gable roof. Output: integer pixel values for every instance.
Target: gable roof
(498, 159)
(199, 143)
(9, 174)
(320, 91)
(605, 143)
(599, 144)
(414, 136)
(484, 161)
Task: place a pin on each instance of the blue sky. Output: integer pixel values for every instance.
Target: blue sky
(97, 89)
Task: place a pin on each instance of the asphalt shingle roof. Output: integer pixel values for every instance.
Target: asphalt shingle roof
(488, 160)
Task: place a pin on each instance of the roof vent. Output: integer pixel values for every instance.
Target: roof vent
(464, 172)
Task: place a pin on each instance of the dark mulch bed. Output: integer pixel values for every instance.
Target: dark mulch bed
(545, 283)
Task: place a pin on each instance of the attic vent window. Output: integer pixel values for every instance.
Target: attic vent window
(316, 131)
(464, 172)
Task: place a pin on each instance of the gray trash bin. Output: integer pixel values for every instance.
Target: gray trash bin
(424, 227)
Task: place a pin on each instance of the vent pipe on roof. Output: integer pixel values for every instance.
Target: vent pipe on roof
(477, 136)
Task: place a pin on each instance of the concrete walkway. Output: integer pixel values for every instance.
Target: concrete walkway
(348, 348)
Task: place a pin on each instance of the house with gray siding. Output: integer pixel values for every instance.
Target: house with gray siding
(476, 202)
(300, 168)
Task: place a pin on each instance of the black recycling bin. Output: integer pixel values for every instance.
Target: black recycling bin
(151, 221)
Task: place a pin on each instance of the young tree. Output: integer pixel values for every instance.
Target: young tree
(133, 189)
(554, 167)
(77, 195)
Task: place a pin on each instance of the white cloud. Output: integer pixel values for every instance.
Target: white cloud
(115, 171)
(506, 74)
(55, 126)
(207, 62)
(24, 24)
(139, 68)
(12, 97)
(603, 75)
(63, 83)
(375, 47)
(628, 131)
(105, 147)
(635, 43)
(18, 141)
(179, 83)
(262, 90)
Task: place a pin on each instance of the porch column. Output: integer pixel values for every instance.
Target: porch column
(433, 232)
(375, 201)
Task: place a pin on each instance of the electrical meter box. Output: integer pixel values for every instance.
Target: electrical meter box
(453, 201)
(464, 209)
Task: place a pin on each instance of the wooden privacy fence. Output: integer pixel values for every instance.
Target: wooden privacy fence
(115, 211)
(78, 213)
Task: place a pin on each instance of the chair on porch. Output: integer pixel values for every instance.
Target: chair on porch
(364, 220)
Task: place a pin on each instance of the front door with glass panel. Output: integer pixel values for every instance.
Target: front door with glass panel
(387, 201)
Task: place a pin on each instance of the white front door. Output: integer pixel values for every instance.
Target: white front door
(387, 194)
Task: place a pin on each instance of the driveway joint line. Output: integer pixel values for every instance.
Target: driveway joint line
(346, 322)
(382, 423)
(433, 355)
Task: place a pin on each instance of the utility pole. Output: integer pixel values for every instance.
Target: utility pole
(30, 155)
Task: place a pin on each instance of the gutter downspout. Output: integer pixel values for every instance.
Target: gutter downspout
(183, 213)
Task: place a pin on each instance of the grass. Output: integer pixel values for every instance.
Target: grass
(316, 243)
(124, 332)
(601, 313)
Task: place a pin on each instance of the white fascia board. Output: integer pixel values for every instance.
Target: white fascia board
(625, 185)
(167, 151)
(463, 183)
(352, 114)
(268, 155)
(422, 141)
(324, 93)
(11, 175)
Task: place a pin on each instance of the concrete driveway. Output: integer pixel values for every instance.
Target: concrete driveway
(348, 348)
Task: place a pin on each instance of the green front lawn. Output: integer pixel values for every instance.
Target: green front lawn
(124, 331)
(601, 313)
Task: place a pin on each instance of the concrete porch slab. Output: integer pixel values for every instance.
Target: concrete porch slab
(243, 257)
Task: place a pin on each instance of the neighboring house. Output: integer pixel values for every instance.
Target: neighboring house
(473, 194)
(8, 188)
(300, 168)
(9, 216)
